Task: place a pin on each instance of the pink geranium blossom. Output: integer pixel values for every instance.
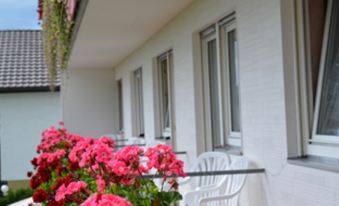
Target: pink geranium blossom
(164, 160)
(130, 155)
(51, 157)
(53, 138)
(91, 152)
(106, 200)
(72, 188)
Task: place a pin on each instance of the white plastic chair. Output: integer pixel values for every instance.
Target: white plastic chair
(206, 186)
(233, 187)
(135, 141)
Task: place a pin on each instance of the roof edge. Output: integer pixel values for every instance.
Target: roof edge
(20, 30)
(77, 23)
(27, 89)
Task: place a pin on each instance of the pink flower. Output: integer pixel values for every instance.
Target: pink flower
(164, 160)
(129, 154)
(53, 138)
(118, 167)
(51, 158)
(106, 200)
(60, 195)
(90, 153)
(101, 184)
(73, 187)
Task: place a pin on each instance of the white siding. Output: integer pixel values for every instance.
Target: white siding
(262, 98)
(23, 116)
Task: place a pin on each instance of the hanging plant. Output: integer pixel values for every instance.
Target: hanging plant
(57, 20)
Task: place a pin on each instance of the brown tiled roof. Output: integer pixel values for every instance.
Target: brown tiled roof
(22, 60)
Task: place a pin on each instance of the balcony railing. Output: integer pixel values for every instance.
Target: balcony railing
(210, 173)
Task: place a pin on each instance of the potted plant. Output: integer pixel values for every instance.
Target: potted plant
(73, 170)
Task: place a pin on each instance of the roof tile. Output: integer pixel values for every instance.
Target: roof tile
(21, 60)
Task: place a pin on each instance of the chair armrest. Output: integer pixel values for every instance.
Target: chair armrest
(193, 195)
(207, 187)
(184, 180)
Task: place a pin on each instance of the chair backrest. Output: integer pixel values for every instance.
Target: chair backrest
(210, 161)
(135, 141)
(236, 182)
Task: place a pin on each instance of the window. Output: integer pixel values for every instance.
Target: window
(120, 106)
(138, 103)
(221, 84)
(319, 77)
(164, 69)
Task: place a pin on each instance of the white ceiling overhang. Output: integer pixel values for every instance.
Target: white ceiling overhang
(111, 29)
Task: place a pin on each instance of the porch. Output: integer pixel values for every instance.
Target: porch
(201, 75)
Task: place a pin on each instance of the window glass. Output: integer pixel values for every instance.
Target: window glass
(165, 65)
(214, 92)
(138, 103)
(328, 119)
(234, 81)
(165, 93)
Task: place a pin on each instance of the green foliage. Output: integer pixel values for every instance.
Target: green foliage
(146, 193)
(56, 36)
(14, 196)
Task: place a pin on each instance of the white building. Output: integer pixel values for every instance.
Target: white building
(26, 105)
(257, 78)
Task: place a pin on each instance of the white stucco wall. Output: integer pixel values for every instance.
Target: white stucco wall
(23, 116)
(89, 102)
(262, 99)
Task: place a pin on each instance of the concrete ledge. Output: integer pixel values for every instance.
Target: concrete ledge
(316, 162)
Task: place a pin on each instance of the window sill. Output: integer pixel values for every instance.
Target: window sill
(232, 150)
(316, 162)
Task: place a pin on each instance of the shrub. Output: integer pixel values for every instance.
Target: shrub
(15, 196)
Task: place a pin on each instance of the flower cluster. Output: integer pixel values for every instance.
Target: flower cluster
(91, 153)
(164, 160)
(126, 165)
(69, 190)
(106, 200)
(71, 169)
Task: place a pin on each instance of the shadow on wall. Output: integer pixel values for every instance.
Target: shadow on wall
(254, 192)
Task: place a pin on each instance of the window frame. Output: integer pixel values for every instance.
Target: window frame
(163, 130)
(219, 31)
(138, 103)
(210, 36)
(317, 137)
(232, 136)
(311, 142)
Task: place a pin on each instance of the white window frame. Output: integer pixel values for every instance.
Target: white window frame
(216, 32)
(138, 103)
(209, 35)
(330, 140)
(312, 143)
(234, 137)
(163, 130)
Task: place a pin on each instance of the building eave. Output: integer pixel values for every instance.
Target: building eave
(105, 32)
(28, 89)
